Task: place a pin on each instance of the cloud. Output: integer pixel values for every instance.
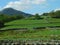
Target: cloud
(24, 4)
(38, 1)
(57, 9)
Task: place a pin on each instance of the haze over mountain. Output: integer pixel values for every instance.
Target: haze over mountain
(11, 11)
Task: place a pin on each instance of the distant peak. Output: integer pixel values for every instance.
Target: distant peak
(8, 9)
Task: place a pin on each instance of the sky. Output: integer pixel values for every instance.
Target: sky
(31, 6)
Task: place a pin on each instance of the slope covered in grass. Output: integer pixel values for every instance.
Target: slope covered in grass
(44, 34)
(32, 23)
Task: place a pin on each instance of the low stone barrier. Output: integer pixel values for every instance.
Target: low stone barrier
(29, 42)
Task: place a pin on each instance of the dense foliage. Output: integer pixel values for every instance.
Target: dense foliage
(7, 18)
(53, 14)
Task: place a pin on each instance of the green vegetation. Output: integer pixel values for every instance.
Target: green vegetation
(24, 28)
(44, 34)
(31, 23)
(53, 14)
(34, 35)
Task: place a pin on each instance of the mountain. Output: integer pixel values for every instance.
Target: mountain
(11, 11)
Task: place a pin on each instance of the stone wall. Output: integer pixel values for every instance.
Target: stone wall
(29, 42)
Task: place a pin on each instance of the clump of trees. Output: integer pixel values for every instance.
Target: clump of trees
(1, 23)
(53, 14)
(37, 16)
(7, 18)
(56, 14)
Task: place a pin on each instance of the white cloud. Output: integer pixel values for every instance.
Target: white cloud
(57, 9)
(38, 1)
(24, 4)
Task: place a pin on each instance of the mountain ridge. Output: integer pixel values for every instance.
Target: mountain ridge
(11, 11)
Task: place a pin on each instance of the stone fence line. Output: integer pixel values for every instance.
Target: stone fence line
(29, 42)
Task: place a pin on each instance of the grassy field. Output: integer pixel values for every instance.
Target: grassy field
(34, 35)
(31, 33)
(32, 23)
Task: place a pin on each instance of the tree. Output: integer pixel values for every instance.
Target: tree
(20, 17)
(45, 14)
(37, 16)
(57, 14)
(1, 23)
(54, 14)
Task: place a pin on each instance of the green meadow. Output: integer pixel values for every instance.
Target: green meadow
(31, 33)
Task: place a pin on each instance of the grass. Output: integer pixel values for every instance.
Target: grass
(31, 34)
(34, 35)
(31, 23)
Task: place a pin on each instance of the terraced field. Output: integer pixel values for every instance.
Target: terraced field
(32, 23)
(31, 29)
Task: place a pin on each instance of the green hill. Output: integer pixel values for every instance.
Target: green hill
(28, 29)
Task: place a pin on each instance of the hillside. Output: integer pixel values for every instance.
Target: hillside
(31, 29)
(35, 27)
